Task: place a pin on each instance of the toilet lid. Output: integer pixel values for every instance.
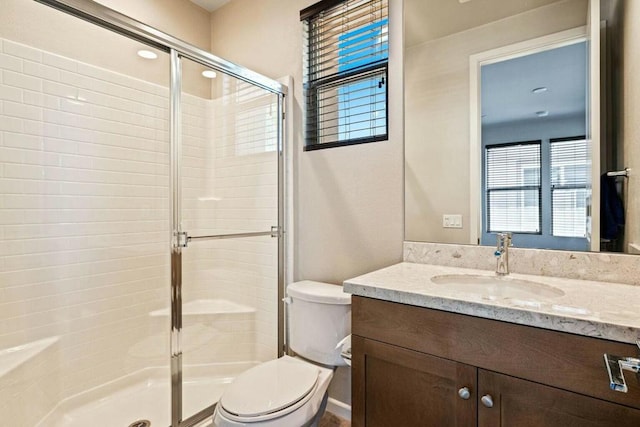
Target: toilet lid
(269, 387)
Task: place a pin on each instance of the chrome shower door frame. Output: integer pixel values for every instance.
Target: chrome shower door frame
(180, 239)
(100, 15)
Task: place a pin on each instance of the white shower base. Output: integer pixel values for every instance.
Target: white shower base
(144, 395)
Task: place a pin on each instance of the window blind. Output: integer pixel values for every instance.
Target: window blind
(513, 187)
(570, 169)
(345, 63)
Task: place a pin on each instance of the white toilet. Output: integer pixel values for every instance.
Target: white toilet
(292, 391)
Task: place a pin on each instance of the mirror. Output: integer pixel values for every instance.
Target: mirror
(509, 126)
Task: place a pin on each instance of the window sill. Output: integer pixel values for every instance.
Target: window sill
(314, 147)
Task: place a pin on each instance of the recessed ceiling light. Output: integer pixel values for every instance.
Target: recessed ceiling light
(209, 74)
(543, 113)
(541, 89)
(147, 54)
(463, 1)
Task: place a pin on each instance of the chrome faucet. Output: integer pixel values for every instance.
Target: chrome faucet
(502, 253)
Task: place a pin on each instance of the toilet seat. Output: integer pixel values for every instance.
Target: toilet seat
(270, 390)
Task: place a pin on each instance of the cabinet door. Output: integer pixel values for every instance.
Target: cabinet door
(520, 403)
(393, 386)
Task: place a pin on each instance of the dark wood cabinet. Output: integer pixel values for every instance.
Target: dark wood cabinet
(410, 363)
(523, 403)
(408, 388)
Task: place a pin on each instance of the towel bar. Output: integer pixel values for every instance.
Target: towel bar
(624, 173)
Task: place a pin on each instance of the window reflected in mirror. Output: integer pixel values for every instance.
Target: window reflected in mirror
(536, 167)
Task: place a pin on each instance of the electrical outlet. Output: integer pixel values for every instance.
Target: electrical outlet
(451, 221)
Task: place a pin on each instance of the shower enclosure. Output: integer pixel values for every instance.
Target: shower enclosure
(141, 220)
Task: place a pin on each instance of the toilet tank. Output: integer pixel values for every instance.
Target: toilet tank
(319, 318)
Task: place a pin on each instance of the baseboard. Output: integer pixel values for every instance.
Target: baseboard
(338, 408)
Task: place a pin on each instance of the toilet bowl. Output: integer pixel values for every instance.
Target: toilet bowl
(292, 391)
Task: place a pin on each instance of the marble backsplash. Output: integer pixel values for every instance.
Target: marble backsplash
(606, 267)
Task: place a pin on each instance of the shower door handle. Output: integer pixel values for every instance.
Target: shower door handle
(184, 239)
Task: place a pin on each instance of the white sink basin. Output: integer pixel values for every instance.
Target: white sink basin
(497, 286)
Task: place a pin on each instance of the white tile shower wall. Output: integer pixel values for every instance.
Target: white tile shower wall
(246, 178)
(240, 195)
(208, 337)
(84, 226)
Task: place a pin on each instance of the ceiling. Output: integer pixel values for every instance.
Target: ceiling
(507, 85)
(431, 19)
(210, 5)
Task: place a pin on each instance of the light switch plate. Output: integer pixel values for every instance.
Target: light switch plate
(451, 221)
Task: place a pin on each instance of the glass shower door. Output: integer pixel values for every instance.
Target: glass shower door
(84, 191)
(227, 225)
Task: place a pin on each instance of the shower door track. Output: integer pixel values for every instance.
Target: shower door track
(100, 15)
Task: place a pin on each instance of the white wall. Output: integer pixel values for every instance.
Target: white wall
(180, 18)
(437, 115)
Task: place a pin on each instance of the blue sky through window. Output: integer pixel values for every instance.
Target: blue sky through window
(362, 103)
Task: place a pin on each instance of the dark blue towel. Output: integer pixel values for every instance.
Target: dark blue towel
(611, 209)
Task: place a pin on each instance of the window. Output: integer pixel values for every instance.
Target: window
(513, 187)
(345, 81)
(570, 169)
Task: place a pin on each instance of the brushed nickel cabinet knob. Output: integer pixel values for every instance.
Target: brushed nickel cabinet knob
(464, 393)
(487, 400)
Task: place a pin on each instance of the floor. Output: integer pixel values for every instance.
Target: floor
(331, 420)
(328, 420)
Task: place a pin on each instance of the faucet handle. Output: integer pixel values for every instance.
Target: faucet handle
(503, 240)
(507, 236)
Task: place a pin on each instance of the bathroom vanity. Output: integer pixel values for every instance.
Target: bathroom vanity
(519, 351)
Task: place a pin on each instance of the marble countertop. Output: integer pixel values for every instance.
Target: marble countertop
(595, 309)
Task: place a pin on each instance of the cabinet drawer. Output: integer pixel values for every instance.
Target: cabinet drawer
(563, 360)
